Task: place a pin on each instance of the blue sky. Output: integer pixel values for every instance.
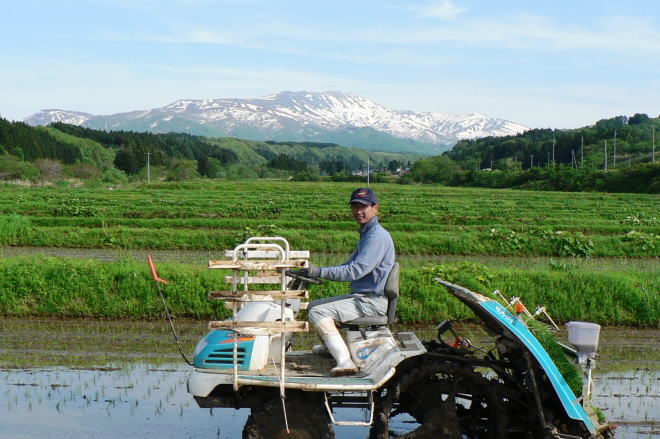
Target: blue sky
(558, 64)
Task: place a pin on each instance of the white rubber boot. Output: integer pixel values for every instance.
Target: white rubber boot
(321, 350)
(338, 349)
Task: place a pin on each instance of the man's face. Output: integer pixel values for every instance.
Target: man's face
(362, 213)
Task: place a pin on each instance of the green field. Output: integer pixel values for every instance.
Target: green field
(424, 220)
(528, 244)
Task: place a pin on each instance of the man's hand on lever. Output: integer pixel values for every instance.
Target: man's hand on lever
(310, 274)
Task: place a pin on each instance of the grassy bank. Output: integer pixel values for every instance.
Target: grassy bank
(433, 220)
(40, 286)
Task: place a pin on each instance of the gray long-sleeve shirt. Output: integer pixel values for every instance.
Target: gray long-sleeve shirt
(367, 269)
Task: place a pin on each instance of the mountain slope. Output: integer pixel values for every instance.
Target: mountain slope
(335, 117)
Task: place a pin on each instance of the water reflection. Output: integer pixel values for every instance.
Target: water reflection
(49, 389)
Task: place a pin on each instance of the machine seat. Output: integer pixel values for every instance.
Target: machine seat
(392, 294)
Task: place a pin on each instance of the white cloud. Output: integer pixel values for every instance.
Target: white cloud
(518, 31)
(525, 31)
(442, 9)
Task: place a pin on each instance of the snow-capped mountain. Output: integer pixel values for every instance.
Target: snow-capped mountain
(44, 117)
(337, 117)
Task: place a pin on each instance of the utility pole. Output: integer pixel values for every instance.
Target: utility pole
(573, 161)
(614, 166)
(605, 164)
(531, 162)
(653, 137)
(367, 170)
(553, 151)
(148, 168)
(581, 151)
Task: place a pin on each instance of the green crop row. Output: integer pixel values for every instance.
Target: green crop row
(18, 231)
(315, 216)
(36, 285)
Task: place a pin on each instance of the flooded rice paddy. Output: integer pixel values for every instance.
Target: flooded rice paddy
(117, 379)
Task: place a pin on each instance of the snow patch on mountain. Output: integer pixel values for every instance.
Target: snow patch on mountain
(44, 117)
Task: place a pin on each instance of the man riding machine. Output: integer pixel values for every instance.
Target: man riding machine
(367, 269)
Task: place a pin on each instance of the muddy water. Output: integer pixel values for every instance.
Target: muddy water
(62, 379)
(202, 257)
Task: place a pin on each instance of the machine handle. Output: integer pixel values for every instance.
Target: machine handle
(153, 271)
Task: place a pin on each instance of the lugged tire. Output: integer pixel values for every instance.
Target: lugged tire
(307, 418)
(418, 391)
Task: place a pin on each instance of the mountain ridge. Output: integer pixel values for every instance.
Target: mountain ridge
(334, 116)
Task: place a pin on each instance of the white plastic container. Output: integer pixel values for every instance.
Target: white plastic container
(267, 348)
(584, 336)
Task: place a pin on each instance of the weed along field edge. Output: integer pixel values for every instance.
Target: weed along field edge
(81, 288)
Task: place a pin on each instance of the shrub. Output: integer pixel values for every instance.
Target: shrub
(115, 176)
(14, 229)
(83, 171)
(12, 167)
(182, 169)
(50, 169)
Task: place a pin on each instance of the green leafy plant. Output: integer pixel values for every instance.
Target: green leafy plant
(646, 241)
(640, 219)
(575, 244)
(507, 240)
(74, 207)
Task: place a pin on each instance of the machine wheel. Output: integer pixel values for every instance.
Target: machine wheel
(429, 392)
(307, 419)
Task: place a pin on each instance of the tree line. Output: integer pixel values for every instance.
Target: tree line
(613, 155)
(133, 147)
(29, 144)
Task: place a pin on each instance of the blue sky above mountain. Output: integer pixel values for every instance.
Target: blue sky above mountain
(542, 64)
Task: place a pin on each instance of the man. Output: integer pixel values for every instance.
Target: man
(367, 270)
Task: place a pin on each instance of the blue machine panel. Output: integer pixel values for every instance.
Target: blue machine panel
(218, 352)
(566, 396)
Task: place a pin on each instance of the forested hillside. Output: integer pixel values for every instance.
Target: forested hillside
(29, 143)
(632, 137)
(62, 150)
(613, 155)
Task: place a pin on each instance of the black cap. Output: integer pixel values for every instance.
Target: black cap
(364, 196)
